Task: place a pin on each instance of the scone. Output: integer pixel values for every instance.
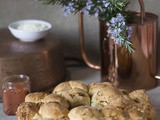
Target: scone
(142, 103)
(38, 117)
(135, 114)
(110, 96)
(85, 113)
(140, 96)
(56, 98)
(111, 112)
(53, 111)
(115, 113)
(70, 85)
(35, 97)
(27, 110)
(76, 97)
(95, 87)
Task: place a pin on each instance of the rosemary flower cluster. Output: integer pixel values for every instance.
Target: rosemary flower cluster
(112, 12)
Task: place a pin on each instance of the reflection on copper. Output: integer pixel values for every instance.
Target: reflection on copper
(125, 70)
(82, 46)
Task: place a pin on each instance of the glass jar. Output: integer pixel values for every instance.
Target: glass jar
(14, 88)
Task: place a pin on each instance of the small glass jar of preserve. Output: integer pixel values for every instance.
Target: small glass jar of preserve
(14, 88)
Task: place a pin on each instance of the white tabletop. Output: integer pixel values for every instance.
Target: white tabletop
(88, 75)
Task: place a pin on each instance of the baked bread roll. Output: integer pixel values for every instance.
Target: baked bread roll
(140, 96)
(37, 117)
(27, 110)
(115, 113)
(110, 112)
(135, 114)
(142, 103)
(35, 97)
(57, 99)
(53, 111)
(70, 85)
(85, 113)
(110, 95)
(76, 97)
(95, 87)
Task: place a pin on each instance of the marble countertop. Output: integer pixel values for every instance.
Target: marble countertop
(88, 75)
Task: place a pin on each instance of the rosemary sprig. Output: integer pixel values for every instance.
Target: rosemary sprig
(110, 11)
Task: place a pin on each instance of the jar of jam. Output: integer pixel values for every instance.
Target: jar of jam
(14, 88)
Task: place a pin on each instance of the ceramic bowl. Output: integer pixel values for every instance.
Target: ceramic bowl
(29, 30)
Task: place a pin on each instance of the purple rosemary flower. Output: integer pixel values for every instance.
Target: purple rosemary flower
(117, 29)
(69, 9)
(109, 11)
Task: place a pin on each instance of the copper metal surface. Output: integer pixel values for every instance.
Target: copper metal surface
(141, 3)
(82, 46)
(129, 71)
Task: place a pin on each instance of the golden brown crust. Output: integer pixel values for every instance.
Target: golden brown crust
(135, 114)
(57, 99)
(95, 87)
(116, 113)
(27, 110)
(70, 85)
(142, 103)
(53, 111)
(146, 110)
(75, 97)
(35, 97)
(111, 112)
(140, 96)
(64, 118)
(109, 96)
(85, 113)
(37, 117)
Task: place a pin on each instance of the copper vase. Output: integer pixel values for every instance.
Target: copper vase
(125, 70)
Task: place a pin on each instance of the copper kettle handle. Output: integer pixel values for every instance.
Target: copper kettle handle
(82, 46)
(141, 2)
(81, 32)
